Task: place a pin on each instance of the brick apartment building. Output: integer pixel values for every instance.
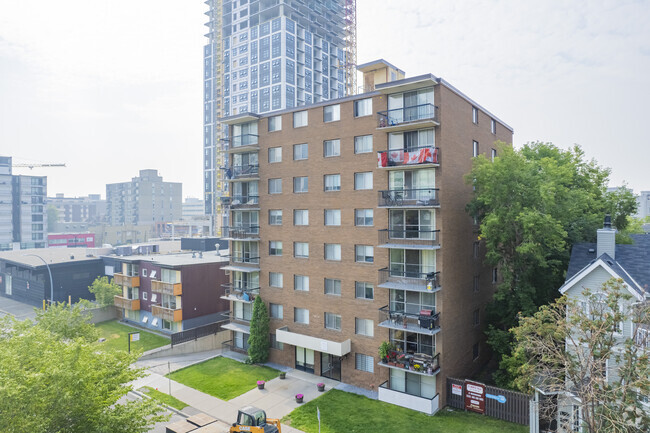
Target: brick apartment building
(348, 218)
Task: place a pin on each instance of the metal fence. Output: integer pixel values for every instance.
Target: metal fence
(198, 332)
(516, 408)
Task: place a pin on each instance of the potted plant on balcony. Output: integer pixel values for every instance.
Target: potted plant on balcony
(384, 350)
(283, 374)
(320, 386)
(299, 398)
(260, 384)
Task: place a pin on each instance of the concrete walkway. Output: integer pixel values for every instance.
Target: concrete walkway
(277, 398)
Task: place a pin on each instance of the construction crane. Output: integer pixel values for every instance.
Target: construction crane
(32, 165)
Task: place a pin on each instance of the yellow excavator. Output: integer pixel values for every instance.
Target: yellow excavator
(252, 419)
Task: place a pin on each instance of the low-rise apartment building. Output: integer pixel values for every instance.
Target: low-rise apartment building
(348, 218)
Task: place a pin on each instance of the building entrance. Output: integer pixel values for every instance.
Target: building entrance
(330, 366)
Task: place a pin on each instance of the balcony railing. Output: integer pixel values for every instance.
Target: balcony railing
(418, 323)
(234, 318)
(427, 365)
(239, 295)
(245, 258)
(168, 314)
(238, 289)
(243, 171)
(408, 158)
(173, 289)
(243, 231)
(230, 346)
(407, 236)
(411, 278)
(126, 280)
(420, 197)
(241, 201)
(126, 303)
(415, 113)
(240, 141)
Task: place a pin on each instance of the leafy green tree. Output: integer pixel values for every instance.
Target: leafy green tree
(52, 218)
(533, 204)
(104, 290)
(53, 384)
(258, 341)
(67, 322)
(578, 345)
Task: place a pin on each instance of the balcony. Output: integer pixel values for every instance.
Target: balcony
(241, 143)
(168, 314)
(245, 258)
(411, 279)
(427, 156)
(417, 323)
(243, 231)
(126, 280)
(427, 365)
(173, 289)
(239, 295)
(409, 238)
(409, 198)
(126, 303)
(400, 119)
(243, 172)
(414, 402)
(241, 201)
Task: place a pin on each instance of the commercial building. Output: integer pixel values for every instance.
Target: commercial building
(193, 208)
(70, 210)
(145, 200)
(348, 218)
(265, 55)
(71, 240)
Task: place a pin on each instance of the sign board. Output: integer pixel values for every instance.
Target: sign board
(135, 336)
(456, 389)
(474, 396)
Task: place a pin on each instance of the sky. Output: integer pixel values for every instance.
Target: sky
(110, 87)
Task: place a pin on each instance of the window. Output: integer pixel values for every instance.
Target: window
(299, 119)
(300, 152)
(493, 154)
(475, 115)
(476, 317)
(144, 272)
(476, 250)
(332, 217)
(275, 344)
(364, 253)
(474, 149)
(301, 283)
(145, 296)
(300, 184)
(332, 287)
(364, 362)
(275, 154)
(494, 275)
(275, 279)
(301, 249)
(363, 107)
(275, 217)
(493, 126)
(275, 248)
(333, 252)
(275, 186)
(333, 321)
(332, 182)
(332, 148)
(475, 351)
(276, 311)
(332, 113)
(301, 315)
(363, 180)
(275, 123)
(364, 327)
(363, 217)
(475, 283)
(363, 144)
(363, 290)
(300, 217)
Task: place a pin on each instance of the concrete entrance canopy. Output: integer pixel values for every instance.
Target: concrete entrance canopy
(283, 335)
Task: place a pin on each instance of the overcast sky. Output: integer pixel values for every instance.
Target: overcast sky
(110, 87)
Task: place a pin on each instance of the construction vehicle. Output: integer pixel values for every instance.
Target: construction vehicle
(252, 419)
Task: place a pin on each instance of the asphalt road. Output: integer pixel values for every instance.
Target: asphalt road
(20, 310)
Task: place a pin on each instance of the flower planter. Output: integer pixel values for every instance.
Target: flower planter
(321, 387)
(299, 398)
(283, 375)
(391, 363)
(260, 384)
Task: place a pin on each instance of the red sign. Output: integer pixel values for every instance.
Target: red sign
(474, 396)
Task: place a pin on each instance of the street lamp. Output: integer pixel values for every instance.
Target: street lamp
(49, 272)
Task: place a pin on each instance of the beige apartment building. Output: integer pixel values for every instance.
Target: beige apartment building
(348, 218)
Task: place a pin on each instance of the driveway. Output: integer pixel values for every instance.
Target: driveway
(20, 310)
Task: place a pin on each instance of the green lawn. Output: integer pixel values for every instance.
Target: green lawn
(116, 335)
(344, 412)
(165, 398)
(222, 377)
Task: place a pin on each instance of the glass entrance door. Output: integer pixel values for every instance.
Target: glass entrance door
(304, 359)
(330, 366)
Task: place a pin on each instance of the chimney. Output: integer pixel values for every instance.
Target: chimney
(606, 240)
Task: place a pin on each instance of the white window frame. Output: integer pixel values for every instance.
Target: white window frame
(300, 283)
(334, 112)
(363, 107)
(362, 287)
(329, 182)
(276, 279)
(301, 250)
(332, 286)
(332, 217)
(364, 363)
(361, 140)
(300, 119)
(279, 311)
(493, 126)
(493, 154)
(334, 147)
(332, 321)
(275, 246)
(357, 218)
(275, 123)
(363, 181)
(275, 154)
(300, 156)
(304, 313)
(275, 186)
(300, 184)
(364, 254)
(475, 115)
(365, 327)
(300, 217)
(475, 149)
(333, 252)
(275, 217)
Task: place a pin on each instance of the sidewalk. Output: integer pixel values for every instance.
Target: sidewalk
(277, 398)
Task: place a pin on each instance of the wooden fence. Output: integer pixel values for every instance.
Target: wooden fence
(198, 332)
(516, 408)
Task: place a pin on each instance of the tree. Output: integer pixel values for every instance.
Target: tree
(579, 346)
(104, 290)
(67, 322)
(52, 218)
(533, 204)
(67, 385)
(258, 341)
